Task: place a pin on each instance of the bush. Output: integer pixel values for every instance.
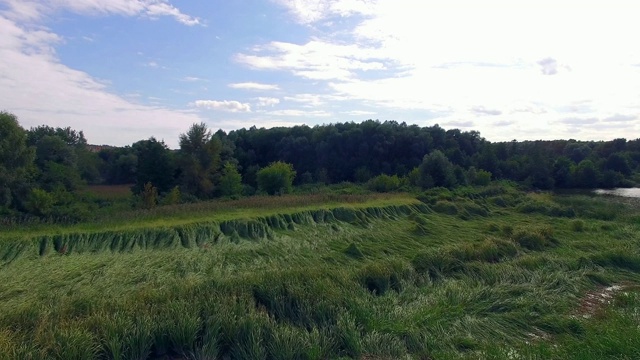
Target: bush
(384, 183)
(40, 202)
(231, 181)
(173, 197)
(277, 178)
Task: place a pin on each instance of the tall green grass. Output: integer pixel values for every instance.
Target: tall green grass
(371, 282)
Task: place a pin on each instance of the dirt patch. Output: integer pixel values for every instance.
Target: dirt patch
(596, 300)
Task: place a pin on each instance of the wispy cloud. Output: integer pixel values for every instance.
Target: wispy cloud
(267, 101)
(300, 113)
(224, 105)
(481, 110)
(254, 86)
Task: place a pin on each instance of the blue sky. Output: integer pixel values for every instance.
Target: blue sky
(125, 70)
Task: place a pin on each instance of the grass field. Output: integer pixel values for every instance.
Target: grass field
(484, 273)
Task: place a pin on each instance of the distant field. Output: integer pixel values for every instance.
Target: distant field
(479, 273)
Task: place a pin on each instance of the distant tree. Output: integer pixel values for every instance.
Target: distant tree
(618, 163)
(172, 197)
(230, 181)
(68, 135)
(586, 175)
(478, 177)
(436, 170)
(577, 151)
(16, 162)
(154, 165)
(199, 161)
(561, 172)
(149, 196)
(40, 202)
(277, 178)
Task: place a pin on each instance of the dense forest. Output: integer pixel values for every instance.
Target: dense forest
(42, 168)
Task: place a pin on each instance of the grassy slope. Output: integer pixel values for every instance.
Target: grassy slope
(435, 285)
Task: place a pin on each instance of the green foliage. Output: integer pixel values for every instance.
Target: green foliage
(16, 162)
(173, 197)
(478, 177)
(40, 202)
(230, 181)
(436, 170)
(149, 196)
(384, 183)
(277, 178)
(586, 175)
(154, 165)
(199, 161)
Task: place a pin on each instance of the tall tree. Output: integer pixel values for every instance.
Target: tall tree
(199, 161)
(16, 161)
(436, 170)
(154, 166)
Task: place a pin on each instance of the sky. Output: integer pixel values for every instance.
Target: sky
(126, 70)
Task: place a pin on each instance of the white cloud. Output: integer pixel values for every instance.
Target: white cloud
(32, 10)
(317, 59)
(549, 66)
(300, 113)
(254, 86)
(192, 79)
(309, 11)
(267, 101)
(309, 100)
(224, 105)
(359, 112)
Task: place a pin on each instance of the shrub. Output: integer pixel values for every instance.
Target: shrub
(149, 196)
(230, 181)
(384, 183)
(40, 202)
(173, 197)
(277, 178)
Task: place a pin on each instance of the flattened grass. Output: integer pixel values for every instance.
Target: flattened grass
(376, 284)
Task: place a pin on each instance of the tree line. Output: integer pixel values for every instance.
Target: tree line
(42, 168)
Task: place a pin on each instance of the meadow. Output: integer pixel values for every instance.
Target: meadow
(475, 273)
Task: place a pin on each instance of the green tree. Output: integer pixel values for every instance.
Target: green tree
(149, 196)
(230, 181)
(586, 175)
(16, 162)
(436, 170)
(154, 165)
(562, 172)
(277, 178)
(40, 202)
(199, 161)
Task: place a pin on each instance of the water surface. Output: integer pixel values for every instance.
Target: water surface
(628, 192)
